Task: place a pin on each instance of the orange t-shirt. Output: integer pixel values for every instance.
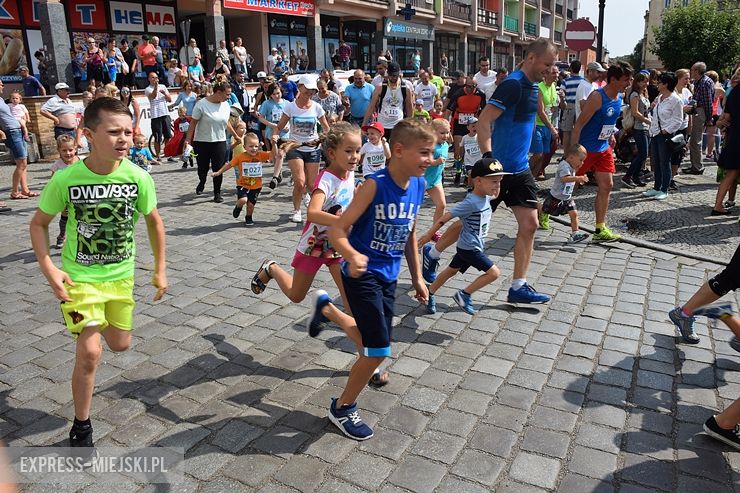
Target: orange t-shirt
(248, 169)
(148, 54)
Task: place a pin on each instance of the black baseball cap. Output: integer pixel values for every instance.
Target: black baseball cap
(487, 167)
(394, 69)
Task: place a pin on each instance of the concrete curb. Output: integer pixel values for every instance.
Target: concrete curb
(648, 244)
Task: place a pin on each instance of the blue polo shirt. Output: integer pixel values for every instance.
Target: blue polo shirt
(512, 133)
(289, 90)
(31, 86)
(359, 98)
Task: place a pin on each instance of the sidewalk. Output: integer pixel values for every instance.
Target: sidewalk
(588, 393)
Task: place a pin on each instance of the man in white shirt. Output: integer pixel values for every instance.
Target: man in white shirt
(381, 68)
(485, 77)
(270, 62)
(425, 91)
(501, 74)
(586, 86)
(159, 96)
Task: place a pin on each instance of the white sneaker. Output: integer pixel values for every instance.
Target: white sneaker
(296, 217)
(306, 199)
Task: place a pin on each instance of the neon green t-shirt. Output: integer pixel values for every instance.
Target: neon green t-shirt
(549, 98)
(103, 210)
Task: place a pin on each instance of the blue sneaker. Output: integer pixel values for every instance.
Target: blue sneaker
(685, 325)
(429, 265)
(463, 300)
(714, 311)
(318, 321)
(431, 305)
(348, 420)
(526, 294)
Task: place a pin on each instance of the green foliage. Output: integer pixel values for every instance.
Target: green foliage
(635, 59)
(698, 32)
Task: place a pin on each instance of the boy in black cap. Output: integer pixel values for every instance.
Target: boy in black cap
(475, 212)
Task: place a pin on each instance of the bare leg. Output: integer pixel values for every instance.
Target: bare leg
(526, 217)
(312, 171)
(87, 356)
(483, 280)
(359, 375)
(573, 220)
(279, 158)
(725, 187)
(604, 180)
(19, 176)
(450, 236)
(295, 287)
(442, 278)
(437, 194)
(345, 322)
(24, 176)
(730, 417)
(703, 296)
(299, 181)
(733, 323)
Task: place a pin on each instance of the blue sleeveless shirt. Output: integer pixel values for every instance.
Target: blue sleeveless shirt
(382, 230)
(602, 125)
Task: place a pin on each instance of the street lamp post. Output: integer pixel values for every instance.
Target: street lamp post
(600, 33)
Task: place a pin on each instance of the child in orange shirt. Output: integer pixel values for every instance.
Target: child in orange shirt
(248, 166)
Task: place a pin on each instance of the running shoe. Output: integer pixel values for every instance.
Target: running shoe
(429, 265)
(306, 199)
(627, 182)
(60, 240)
(81, 441)
(318, 320)
(730, 437)
(237, 210)
(735, 344)
(660, 196)
(296, 217)
(273, 182)
(544, 220)
(248, 221)
(431, 305)
(526, 294)
(605, 235)
(651, 192)
(348, 420)
(714, 311)
(464, 301)
(577, 237)
(685, 325)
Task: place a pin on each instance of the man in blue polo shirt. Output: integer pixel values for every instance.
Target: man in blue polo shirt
(31, 85)
(512, 107)
(359, 94)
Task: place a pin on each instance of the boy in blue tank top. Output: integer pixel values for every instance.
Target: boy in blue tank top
(382, 219)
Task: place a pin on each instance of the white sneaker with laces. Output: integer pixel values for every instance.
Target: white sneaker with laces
(296, 217)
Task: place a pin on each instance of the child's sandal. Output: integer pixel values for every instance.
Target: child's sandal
(379, 379)
(258, 285)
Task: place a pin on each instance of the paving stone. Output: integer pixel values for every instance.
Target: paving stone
(417, 474)
(553, 419)
(479, 467)
(546, 442)
(534, 469)
(453, 422)
(575, 482)
(493, 440)
(647, 471)
(592, 463)
(253, 469)
(439, 446)
(406, 420)
(452, 484)
(517, 397)
(302, 473)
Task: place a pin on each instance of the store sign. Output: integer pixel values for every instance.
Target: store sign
(86, 14)
(330, 26)
(409, 30)
(9, 13)
(125, 16)
(503, 38)
(160, 19)
(305, 8)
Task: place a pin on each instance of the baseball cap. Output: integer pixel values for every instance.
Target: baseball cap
(308, 82)
(22, 67)
(60, 86)
(236, 109)
(472, 119)
(595, 66)
(261, 75)
(394, 69)
(487, 167)
(376, 125)
(420, 102)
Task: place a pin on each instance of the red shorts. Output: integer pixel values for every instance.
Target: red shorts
(311, 265)
(600, 162)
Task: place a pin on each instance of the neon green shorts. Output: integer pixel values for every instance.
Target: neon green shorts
(99, 304)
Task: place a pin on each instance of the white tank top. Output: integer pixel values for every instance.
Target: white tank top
(391, 109)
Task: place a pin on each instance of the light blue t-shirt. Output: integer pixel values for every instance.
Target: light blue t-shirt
(475, 213)
(272, 112)
(187, 101)
(433, 174)
(359, 98)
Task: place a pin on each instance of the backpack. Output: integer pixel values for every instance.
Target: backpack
(384, 91)
(628, 120)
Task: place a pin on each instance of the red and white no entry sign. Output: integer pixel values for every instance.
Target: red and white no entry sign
(580, 35)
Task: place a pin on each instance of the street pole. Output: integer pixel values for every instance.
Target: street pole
(600, 32)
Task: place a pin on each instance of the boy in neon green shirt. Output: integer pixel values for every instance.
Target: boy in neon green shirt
(103, 195)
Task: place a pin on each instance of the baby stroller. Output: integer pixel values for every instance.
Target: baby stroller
(174, 147)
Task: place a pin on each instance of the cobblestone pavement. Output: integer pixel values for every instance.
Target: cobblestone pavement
(588, 393)
(682, 222)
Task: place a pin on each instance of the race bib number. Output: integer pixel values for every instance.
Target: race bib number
(568, 188)
(276, 115)
(465, 118)
(375, 159)
(252, 170)
(472, 149)
(485, 219)
(392, 111)
(184, 126)
(607, 131)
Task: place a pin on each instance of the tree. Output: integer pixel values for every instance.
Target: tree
(698, 32)
(635, 59)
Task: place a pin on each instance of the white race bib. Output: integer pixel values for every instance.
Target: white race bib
(607, 131)
(568, 188)
(184, 126)
(465, 118)
(252, 170)
(392, 112)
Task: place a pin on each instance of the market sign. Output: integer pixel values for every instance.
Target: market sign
(125, 16)
(409, 30)
(305, 8)
(160, 19)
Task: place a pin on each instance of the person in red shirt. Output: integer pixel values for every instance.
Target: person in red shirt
(464, 106)
(148, 55)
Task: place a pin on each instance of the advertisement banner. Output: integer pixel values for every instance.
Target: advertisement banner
(12, 54)
(86, 14)
(408, 30)
(126, 16)
(305, 8)
(160, 19)
(31, 14)
(9, 15)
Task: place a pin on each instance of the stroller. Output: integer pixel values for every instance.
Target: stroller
(174, 147)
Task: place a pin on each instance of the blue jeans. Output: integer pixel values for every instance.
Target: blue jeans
(661, 158)
(641, 141)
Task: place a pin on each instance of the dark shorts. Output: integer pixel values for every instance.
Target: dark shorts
(471, 258)
(541, 138)
(161, 127)
(729, 279)
(251, 195)
(313, 156)
(387, 134)
(459, 129)
(557, 207)
(371, 300)
(517, 190)
(58, 131)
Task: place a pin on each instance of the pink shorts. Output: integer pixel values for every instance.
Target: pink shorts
(311, 265)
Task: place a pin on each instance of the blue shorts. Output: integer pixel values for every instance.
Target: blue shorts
(541, 138)
(433, 175)
(313, 156)
(371, 300)
(471, 258)
(15, 143)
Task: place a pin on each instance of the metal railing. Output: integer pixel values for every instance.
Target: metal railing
(487, 17)
(456, 11)
(511, 24)
(559, 9)
(419, 4)
(530, 28)
(533, 3)
(558, 36)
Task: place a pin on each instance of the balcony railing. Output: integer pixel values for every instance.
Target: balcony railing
(570, 14)
(456, 11)
(487, 18)
(558, 37)
(423, 4)
(559, 9)
(547, 5)
(533, 3)
(530, 28)
(511, 24)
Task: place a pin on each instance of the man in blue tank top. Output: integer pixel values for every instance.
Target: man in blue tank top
(512, 107)
(594, 130)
